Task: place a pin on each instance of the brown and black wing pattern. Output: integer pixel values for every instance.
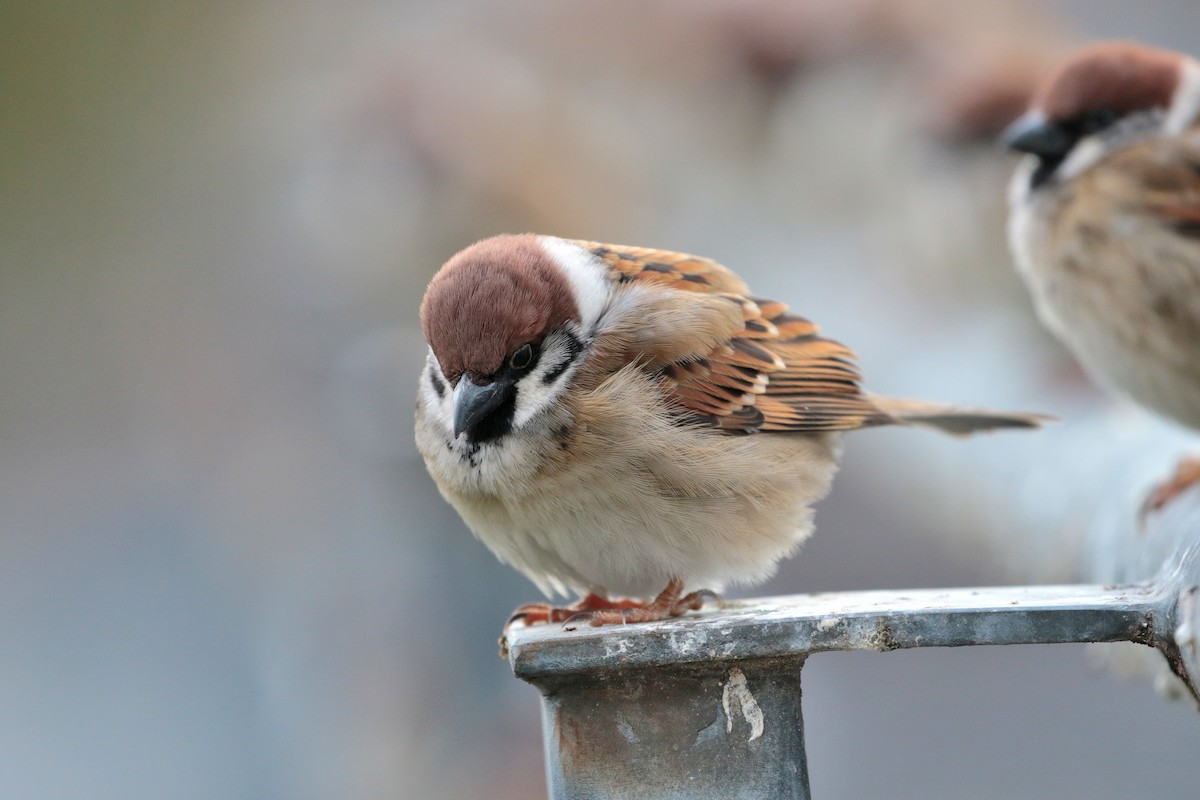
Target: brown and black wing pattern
(777, 374)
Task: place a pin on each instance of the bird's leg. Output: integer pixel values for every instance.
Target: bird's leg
(1187, 474)
(531, 613)
(671, 602)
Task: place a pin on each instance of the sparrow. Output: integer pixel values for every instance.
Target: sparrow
(630, 420)
(1104, 224)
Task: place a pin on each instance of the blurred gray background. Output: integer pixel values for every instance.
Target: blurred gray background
(224, 572)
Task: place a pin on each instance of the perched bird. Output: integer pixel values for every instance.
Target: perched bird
(623, 419)
(1104, 224)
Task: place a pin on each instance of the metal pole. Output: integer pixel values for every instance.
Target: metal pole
(708, 705)
(714, 731)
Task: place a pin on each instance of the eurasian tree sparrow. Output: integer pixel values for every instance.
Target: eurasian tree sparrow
(1104, 224)
(623, 419)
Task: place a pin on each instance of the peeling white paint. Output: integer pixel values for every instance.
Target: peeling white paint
(615, 647)
(736, 691)
(687, 642)
(627, 730)
(1185, 633)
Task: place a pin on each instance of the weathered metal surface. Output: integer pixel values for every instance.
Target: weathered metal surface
(803, 624)
(1163, 547)
(702, 731)
(1187, 634)
(707, 706)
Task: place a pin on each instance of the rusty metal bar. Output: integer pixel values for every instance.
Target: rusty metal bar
(708, 705)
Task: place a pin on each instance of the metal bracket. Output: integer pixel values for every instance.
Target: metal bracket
(708, 705)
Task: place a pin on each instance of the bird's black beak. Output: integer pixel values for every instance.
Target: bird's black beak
(1033, 133)
(474, 403)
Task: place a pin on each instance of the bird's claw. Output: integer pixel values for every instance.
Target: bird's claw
(662, 607)
(1187, 475)
(597, 610)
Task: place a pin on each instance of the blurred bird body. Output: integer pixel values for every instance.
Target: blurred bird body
(1105, 220)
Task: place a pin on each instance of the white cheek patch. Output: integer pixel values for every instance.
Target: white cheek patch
(1095, 148)
(440, 407)
(1021, 218)
(1185, 105)
(1085, 154)
(533, 392)
(532, 397)
(1020, 185)
(588, 278)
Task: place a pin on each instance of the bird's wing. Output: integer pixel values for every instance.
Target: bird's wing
(1152, 192)
(1167, 174)
(771, 372)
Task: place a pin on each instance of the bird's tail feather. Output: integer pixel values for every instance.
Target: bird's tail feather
(955, 420)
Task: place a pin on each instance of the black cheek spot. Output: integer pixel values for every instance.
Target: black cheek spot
(574, 348)
(438, 386)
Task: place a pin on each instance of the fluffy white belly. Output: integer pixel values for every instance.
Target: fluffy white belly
(636, 505)
(1129, 370)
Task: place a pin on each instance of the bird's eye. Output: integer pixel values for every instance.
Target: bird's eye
(1096, 120)
(522, 358)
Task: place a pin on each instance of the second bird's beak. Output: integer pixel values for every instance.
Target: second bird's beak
(1033, 133)
(474, 402)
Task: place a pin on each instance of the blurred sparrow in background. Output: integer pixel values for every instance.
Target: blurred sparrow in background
(1104, 224)
(611, 418)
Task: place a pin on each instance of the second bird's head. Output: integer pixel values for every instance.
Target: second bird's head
(1103, 98)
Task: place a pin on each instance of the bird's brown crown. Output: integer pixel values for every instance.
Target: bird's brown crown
(1121, 77)
(490, 299)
